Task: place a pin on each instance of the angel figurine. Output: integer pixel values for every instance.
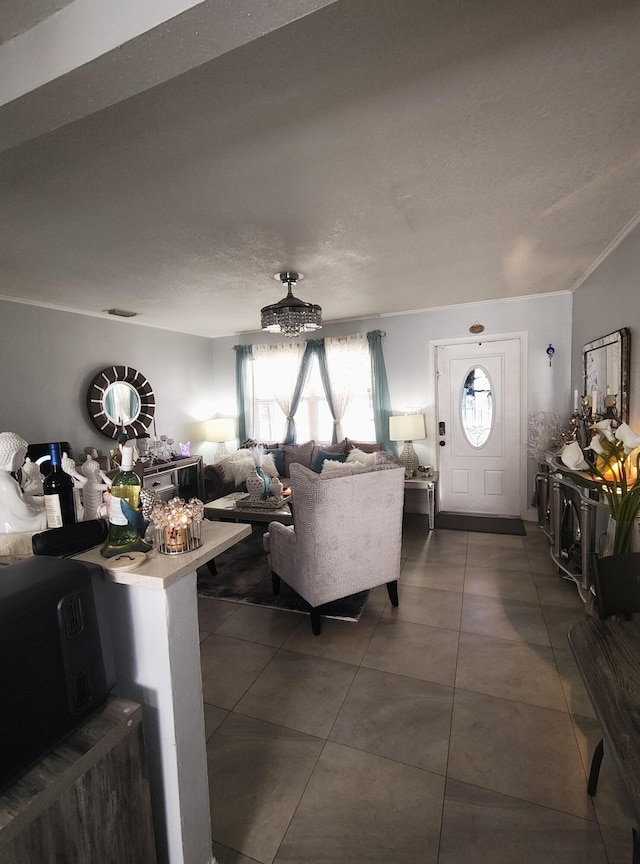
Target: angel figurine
(96, 484)
(31, 479)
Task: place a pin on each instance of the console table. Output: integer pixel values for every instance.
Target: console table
(425, 485)
(568, 514)
(608, 657)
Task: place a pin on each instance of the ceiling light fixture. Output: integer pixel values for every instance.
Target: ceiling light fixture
(290, 316)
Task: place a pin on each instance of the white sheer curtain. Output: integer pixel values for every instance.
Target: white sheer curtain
(349, 368)
(275, 372)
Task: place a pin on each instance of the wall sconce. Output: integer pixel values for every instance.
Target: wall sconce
(550, 352)
(220, 431)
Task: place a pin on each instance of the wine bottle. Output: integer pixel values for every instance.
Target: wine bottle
(125, 487)
(58, 493)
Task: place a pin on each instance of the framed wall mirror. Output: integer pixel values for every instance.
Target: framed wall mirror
(606, 370)
(121, 398)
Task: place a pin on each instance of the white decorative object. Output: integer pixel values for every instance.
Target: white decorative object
(69, 467)
(96, 484)
(31, 478)
(629, 438)
(571, 456)
(18, 512)
(255, 485)
(276, 487)
(546, 434)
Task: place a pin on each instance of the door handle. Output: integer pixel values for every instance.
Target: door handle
(441, 428)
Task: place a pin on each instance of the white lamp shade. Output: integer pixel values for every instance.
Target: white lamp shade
(220, 430)
(407, 427)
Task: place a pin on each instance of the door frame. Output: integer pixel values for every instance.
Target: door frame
(432, 420)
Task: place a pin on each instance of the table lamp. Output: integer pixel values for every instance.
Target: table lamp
(407, 428)
(219, 431)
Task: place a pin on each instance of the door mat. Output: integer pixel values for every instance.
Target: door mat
(244, 577)
(484, 524)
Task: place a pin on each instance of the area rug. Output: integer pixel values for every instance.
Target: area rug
(485, 524)
(244, 577)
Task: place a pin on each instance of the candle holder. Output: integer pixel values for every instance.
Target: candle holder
(177, 526)
(176, 539)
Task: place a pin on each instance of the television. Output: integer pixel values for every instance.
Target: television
(53, 674)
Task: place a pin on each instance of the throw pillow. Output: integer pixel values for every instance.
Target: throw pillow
(278, 458)
(299, 453)
(323, 456)
(357, 455)
(331, 468)
(365, 446)
(236, 467)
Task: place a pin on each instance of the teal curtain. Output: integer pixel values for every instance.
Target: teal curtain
(303, 376)
(321, 354)
(379, 388)
(244, 396)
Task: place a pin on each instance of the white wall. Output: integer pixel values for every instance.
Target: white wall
(49, 359)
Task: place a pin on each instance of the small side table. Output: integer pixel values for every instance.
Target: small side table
(427, 484)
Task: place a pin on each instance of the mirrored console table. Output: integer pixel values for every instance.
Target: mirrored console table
(574, 520)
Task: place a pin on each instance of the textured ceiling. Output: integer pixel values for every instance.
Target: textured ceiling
(402, 154)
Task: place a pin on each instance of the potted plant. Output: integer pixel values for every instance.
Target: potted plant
(612, 469)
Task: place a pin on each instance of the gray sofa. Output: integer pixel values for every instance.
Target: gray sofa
(219, 482)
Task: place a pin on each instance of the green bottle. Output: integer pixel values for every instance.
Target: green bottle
(125, 516)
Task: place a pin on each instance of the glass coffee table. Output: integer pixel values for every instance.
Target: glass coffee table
(236, 508)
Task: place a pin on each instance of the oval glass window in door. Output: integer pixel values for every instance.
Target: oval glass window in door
(477, 407)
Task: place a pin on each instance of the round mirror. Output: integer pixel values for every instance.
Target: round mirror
(120, 398)
(121, 403)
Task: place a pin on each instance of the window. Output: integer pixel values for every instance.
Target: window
(275, 372)
(477, 407)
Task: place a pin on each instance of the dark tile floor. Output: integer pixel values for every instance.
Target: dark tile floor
(454, 729)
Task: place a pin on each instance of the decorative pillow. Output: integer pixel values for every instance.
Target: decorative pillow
(357, 455)
(383, 458)
(278, 458)
(324, 456)
(298, 453)
(238, 466)
(340, 447)
(365, 446)
(332, 468)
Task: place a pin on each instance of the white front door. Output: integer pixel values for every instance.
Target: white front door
(478, 424)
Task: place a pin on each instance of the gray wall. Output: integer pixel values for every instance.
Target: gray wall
(49, 359)
(607, 301)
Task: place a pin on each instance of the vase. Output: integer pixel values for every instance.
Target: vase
(609, 542)
(255, 485)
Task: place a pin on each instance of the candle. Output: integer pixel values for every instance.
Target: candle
(575, 401)
(594, 401)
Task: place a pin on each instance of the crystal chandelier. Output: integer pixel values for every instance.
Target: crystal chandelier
(291, 316)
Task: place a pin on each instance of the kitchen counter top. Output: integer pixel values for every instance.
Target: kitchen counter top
(161, 571)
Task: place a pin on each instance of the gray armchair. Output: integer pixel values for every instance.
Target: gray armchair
(346, 537)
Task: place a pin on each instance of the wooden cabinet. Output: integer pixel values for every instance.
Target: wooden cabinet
(86, 801)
